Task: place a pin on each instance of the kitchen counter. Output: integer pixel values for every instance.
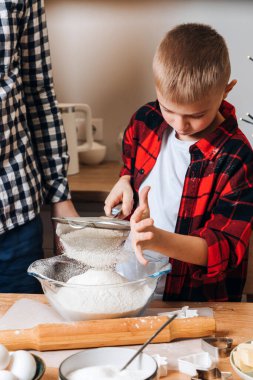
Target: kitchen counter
(233, 320)
(94, 182)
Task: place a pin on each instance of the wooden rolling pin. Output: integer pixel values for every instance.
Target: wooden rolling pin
(101, 333)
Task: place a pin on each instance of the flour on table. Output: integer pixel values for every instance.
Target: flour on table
(30, 313)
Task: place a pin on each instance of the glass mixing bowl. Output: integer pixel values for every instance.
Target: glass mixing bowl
(76, 302)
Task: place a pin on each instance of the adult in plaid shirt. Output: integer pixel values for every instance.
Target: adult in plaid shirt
(193, 169)
(33, 150)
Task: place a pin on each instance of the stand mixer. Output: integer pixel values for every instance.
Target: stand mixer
(77, 121)
(90, 151)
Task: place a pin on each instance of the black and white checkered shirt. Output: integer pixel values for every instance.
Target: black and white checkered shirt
(33, 151)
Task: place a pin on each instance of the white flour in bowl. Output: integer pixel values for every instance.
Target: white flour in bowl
(99, 292)
(98, 248)
(102, 294)
(97, 277)
(108, 372)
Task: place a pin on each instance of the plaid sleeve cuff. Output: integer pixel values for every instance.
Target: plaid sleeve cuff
(56, 191)
(124, 171)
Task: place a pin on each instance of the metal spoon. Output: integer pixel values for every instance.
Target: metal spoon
(148, 341)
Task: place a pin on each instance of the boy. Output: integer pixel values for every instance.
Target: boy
(33, 150)
(187, 151)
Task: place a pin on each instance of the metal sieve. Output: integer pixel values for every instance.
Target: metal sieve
(95, 222)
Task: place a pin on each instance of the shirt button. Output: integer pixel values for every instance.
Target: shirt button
(141, 171)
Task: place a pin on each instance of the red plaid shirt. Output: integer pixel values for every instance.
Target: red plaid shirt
(216, 203)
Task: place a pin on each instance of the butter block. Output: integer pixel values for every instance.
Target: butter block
(243, 367)
(245, 352)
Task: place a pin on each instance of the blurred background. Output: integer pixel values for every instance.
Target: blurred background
(102, 53)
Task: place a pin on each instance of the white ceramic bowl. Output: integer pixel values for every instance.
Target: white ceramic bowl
(241, 374)
(113, 356)
(93, 156)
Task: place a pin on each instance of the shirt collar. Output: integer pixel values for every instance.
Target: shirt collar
(212, 143)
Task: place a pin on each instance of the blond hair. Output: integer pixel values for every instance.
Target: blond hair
(191, 60)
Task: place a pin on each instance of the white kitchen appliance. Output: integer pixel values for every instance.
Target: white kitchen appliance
(77, 121)
(69, 112)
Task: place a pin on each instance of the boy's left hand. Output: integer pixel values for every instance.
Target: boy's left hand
(142, 227)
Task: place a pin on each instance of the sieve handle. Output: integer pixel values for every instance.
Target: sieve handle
(95, 222)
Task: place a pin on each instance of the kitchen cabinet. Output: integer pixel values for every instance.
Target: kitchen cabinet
(89, 188)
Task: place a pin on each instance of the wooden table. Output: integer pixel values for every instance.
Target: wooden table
(234, 320)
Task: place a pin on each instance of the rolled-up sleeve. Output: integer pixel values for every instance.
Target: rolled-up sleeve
(227, 231)
(128, 147)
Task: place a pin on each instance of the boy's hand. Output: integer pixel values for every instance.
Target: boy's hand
(142, 226)
(121, 193)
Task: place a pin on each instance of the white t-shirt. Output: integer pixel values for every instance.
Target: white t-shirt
(166, 180)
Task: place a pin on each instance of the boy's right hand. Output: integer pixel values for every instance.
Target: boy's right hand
(121, 193)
